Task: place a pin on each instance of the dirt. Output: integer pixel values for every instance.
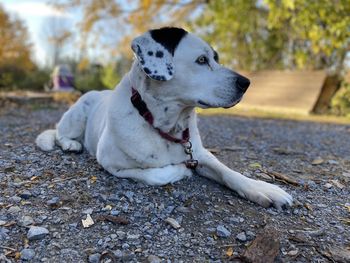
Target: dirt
(58, 190)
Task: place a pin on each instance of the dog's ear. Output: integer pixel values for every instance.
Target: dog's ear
(155, 50)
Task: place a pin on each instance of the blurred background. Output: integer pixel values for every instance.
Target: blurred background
(296, 52)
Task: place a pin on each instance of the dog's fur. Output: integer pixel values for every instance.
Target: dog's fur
(172, 81)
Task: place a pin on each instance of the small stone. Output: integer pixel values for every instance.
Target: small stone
(94, 258)
(221, 231)
(241, 237)
(27, 254)
(153, 259)
(25, 194)
(130, 196)
(293, 252)
(54, 202)
(14, 210)
(88, 211)
(25, 221)
(37, 232)
(172, 222)
(2, 222)
(15, 199)
(132, 237)
(328, 186)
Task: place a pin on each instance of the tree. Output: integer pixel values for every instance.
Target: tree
(56, 33)
(249, 34)
(318, 31)
(15, 48)
(15, 51)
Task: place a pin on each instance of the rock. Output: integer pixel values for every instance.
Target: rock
(25, 221)
(221, 231)
(172, 222)
(15, 199)
(2, 222)
(94, 258)
(241, 237)
(37, 232)
(14, 210)
(88, 211)
(153, 259)
(328, 186)
(293, 253)
(25, 194)
(3, 233)
(54, 202)
(132, 237)
(27, 254)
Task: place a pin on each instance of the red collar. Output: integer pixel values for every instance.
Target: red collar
(141, 107)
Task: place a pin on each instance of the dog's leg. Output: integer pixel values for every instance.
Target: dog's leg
(72, 125)
(259, 192)
(154, 176)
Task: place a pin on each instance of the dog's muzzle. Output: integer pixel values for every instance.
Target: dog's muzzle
(242, 83)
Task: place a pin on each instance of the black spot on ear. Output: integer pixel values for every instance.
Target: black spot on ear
(159, 54)
(147, 70)
(150, 53)
(165, 109)
(168, 37)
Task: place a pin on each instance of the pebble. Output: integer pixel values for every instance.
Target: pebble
(14, 210)
(15, 199)
(328, 186)
(37, 232)
(241, 237)
(25, 221)
(221, 231)
(27, 254)
(172, 222)
(293, 252)
(53, 202)
(153, 259)
(94, 258)
(25, 194)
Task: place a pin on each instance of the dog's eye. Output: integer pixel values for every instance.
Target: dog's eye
(202, 60)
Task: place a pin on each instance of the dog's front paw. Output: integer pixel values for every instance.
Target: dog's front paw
(266, 194)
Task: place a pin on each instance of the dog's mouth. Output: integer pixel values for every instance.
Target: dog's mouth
(204, 104)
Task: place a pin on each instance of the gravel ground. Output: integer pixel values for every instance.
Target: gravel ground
(45, 196)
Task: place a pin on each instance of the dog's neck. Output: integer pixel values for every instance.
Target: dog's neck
(169, 116)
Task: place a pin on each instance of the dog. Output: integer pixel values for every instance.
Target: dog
(146, 129)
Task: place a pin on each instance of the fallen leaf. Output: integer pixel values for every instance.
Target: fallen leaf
(93, 179)
(337, 184)
(265, 247)
(308, 206)
(108, 207)
(88, 221)
(11, 223)
(255, 165)
(114, 219)
(229, 252)
(317, 161)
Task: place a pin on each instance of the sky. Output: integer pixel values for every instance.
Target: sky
(34, 13)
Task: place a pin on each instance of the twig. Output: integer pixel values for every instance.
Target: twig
(281, 177)
(9, 248)
(227, 245)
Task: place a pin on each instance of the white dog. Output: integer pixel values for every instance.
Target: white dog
(146, 128)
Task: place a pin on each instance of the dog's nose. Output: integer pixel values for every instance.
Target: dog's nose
(242, 83)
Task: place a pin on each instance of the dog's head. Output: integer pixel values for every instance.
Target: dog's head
(184, 68)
